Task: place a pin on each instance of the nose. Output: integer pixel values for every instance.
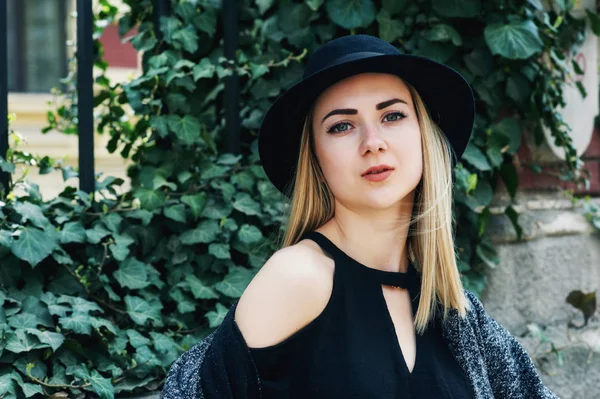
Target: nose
(372, 141)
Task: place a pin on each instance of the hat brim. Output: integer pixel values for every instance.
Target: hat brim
(446, 94)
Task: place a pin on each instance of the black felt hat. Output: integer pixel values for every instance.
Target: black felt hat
(447, 95)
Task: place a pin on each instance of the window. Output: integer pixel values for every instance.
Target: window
(36, 38)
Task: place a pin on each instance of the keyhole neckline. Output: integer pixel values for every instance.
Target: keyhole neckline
(408, 279)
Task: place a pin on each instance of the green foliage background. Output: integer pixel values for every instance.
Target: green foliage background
(100, 294)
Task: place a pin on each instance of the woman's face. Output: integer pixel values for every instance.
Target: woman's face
(364, 121)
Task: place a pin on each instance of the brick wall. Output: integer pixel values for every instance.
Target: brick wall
(116, 52)
(529, 180)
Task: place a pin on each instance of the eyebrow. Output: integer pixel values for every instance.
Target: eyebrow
(351, 111)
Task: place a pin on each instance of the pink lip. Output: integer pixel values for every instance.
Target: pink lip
(375, 177)
(376, 168)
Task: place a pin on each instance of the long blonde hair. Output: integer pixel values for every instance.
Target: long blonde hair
(430, 242)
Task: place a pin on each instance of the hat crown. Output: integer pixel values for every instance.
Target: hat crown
(340, 49)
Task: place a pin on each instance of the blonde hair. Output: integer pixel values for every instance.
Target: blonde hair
(430, 242)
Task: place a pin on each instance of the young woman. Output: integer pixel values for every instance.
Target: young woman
(364, 299)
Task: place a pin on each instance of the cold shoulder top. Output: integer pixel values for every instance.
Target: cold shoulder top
(351, 350)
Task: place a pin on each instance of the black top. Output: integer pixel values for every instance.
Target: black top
(351, 349)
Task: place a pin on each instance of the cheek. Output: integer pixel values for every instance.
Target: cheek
(333, 164)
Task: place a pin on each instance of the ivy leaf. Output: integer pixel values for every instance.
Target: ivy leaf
(168, 27)
(80, 323)
(513, 215)
(457, 8)
(23, 320)
(79, 304)
(440, 52)
(206, 21)
(19, 341)
(219, 251)
(196, 203)
(8, 386)
(510, 177)
(176, 213)
(206, 232)
(112, 221)
(132, 274)
(516, 40)
(199, 290)
(141, 310)
(97, 323)
(143, 215)
(390, 28)
(216, 317)
(149, 199)
(72, 232)
(443, 33)
(128, 384)
(96, 234)
(5, 166)
(518, 88)
(136, 339)
(5, 238)
(205, 69)
(163, 343)
(351, 14)
(154, 277)
(488, 254)
(511, 129)
(33, 213)
(187, 129)
(245, 204)
(184, 304)
(314, 4)
(161, 124)
(187, 38)
(394, 6)
(119, 251)
(54, 340)
(101, 385)
(476, 157)
(243, 180)
(264, 5)
(584, 301)
(214, 171)
(497, 145)
(235, 282)
(30, 389)
(249, 234)
(33, 245)
(480, 62)
(594, 21)
(481, 196)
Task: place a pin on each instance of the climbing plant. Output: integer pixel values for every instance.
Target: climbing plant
(100, 293)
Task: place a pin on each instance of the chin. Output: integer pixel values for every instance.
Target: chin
(383, 199)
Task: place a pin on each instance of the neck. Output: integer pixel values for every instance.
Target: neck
(373, 241)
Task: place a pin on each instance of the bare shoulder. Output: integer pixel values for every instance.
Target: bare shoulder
(291, 289)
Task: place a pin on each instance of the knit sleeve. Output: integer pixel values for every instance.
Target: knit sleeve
(219, 367)
(511, 371)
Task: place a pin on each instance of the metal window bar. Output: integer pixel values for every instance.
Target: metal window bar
(231, 95)
(160, 8)
(4, 176)
(85, 95)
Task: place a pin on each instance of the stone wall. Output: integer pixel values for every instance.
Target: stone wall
(560, 253)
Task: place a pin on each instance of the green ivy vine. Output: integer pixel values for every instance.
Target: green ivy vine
(101, 292)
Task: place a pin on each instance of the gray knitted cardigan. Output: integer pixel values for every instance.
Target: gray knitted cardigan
(495, 363)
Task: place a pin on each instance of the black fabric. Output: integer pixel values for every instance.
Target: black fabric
(351, 349)
(496, 364)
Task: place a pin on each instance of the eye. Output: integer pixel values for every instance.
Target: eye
(334, 128)
(395, 116)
